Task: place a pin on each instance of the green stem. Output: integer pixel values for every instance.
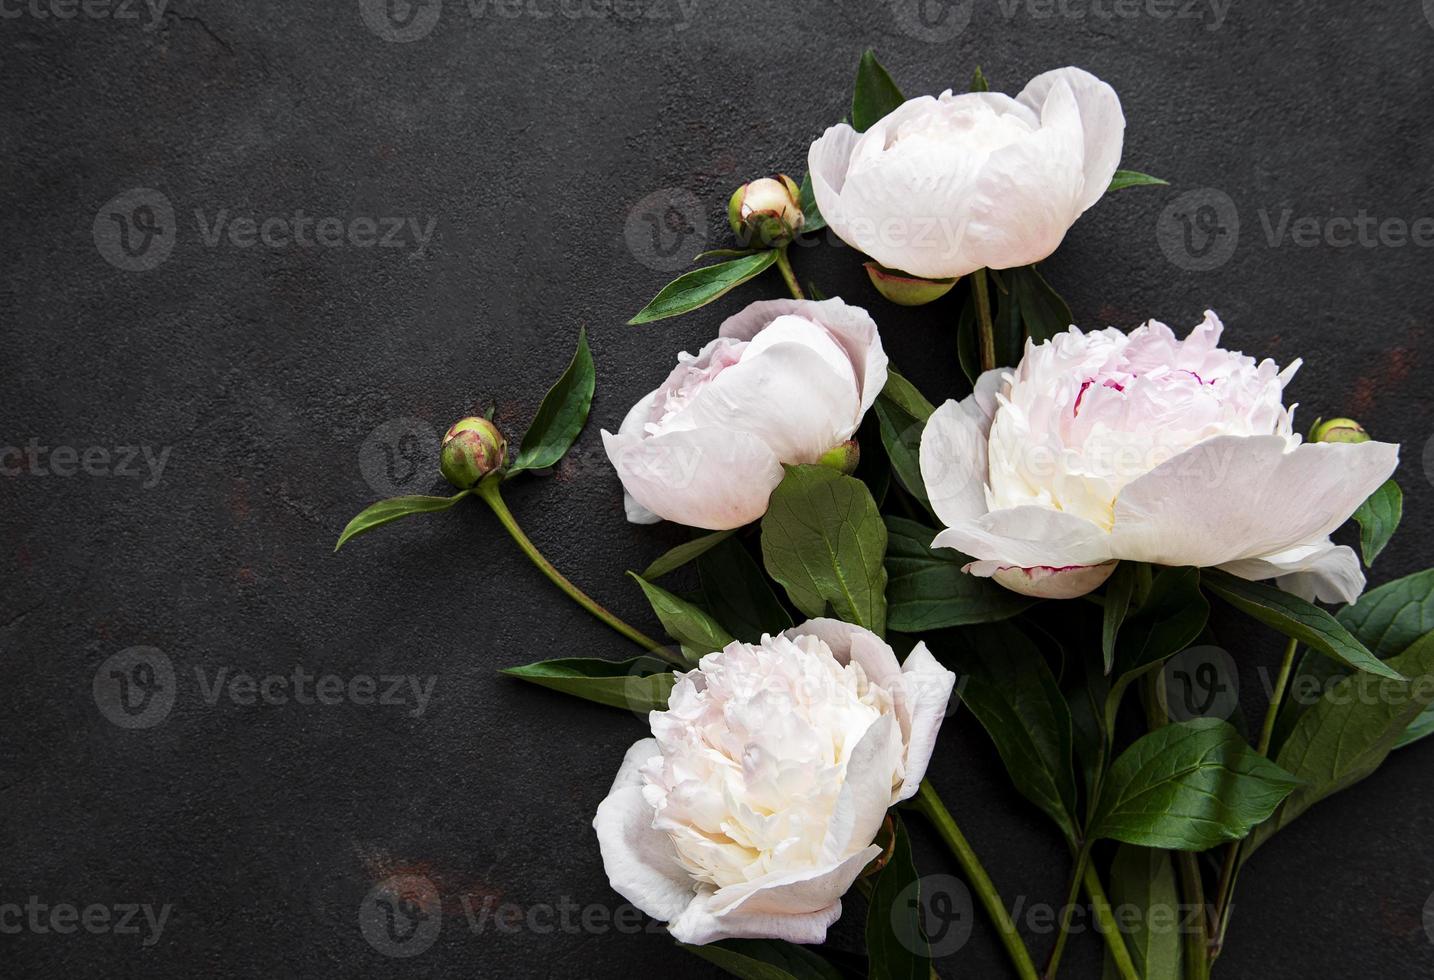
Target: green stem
(784, 265)
(1230, 871)
(1072, 894)
(1109, 928)
(1192, 885)
(987, 332)
(488, 491)
(929, 804)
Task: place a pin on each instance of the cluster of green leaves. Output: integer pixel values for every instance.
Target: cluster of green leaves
(560, 417)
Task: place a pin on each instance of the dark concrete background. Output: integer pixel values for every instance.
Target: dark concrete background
(537, 143)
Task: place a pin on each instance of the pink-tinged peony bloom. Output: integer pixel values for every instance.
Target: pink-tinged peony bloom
(944, 186)
(1102, 446)
(754, 806)
(784, 382)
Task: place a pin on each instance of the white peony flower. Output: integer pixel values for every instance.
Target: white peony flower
(784, 382)
(1104, 446)
(944, 186)
(753, 808)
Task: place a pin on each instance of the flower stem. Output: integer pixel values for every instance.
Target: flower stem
(1230, 870)
(1072, 893)
(1109, 928)
(929, 804)
(987, 332)
(784, 265)
(489, 493)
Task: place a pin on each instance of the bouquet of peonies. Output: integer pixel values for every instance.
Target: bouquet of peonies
(1051, 546)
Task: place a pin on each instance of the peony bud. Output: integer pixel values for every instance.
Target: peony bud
(766, 213)
(472, 449)
(904, 290)
(1338, 430)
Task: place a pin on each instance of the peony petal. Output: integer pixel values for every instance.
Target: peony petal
(1316, 571)
(1027, 537)
(1027, 194)
(1102, 124)
(926, 688)
(1070, 582)
(787, 396)
(953, 462)
(867, 791)
(702, 478)
(1235, 497)
(698, 925)
(640, 861)
(851, 326)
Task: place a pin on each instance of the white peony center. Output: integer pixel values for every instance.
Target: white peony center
(1086, 414)
(755, 746)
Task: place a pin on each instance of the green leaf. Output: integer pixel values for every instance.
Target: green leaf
(701, 286)
(927, 590)
(1118, 590)
(1297, 619)
(1378, 517)
(1390, 618)
(1420, 727)
(1189, 787)
(1144, 878)
(1133, 178)
(876, 94)
(766, 959)
(1009, 687)
(1169, 620)
(641, 684)
(1387, 620)
(698, 632)
(561, 415)
(684, 553)
(823, 541)
(895, 940)
(724, 253)
(901, 438)
(1349, 730)
(906, 396)
(386, 511)
(1042, 311)
(738, 594)
(812, 219)
(978, 81)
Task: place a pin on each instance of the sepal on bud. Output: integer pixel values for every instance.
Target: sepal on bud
(766, 213)
(1338, 430)
(842, 458)
(906, 290)
(472, 449)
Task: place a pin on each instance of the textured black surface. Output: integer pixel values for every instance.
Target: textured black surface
(532, 141)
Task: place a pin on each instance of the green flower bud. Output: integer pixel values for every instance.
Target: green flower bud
(905, 290)
(766, 213)
(472, 449)
(1338, 430)
(843, 458)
